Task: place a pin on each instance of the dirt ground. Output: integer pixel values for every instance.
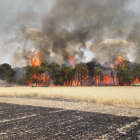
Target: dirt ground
(55, 119)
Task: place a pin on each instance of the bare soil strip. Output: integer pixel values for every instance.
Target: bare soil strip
(70, 105)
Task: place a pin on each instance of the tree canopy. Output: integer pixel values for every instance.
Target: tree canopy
(125, 77)
(81, 70)
(137, 72)
(68, 74)
(6, 71)
(98, 72)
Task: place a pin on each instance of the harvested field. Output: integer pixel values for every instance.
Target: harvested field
(24, 122)
(117, 96)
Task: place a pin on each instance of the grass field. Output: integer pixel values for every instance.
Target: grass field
(117, 96)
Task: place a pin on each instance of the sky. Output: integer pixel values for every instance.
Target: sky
(15, 15)
(85, 29)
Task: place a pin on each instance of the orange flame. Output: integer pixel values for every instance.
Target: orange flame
(112, 66)
(36, 59)
(72, 61)
(107, 79)
(97, 80)
(75, 82)
(137, 81)
(119, 60)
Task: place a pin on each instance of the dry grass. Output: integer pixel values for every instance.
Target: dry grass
(117, 96)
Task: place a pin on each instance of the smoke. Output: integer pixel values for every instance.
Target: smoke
(64, 27)
(110, 49)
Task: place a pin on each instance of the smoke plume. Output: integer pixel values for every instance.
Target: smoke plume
(64, 27)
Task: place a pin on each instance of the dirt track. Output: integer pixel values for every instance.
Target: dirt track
(26, 122)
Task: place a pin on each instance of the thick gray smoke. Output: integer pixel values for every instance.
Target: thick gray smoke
(64, 27)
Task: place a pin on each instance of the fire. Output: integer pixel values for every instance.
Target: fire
(97, 80)
(86, 78)
(52, 85)
(43, 79)
(119, 60)
(75, 82)
(33, 77)
(36, 59)
(107, 79)
(137, 81)
(112, 66)
(72, 61)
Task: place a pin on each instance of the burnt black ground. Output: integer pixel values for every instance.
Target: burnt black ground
(18, 122)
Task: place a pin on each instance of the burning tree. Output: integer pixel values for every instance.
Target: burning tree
(81, 72)
(52, 68)
(35, 72)
(36, 59)
(115, 72)
(125, 77)
(72, 61)
(137, 74)
(68, 74)
(112, 76)
(32, 74)
(74, 76)
(98, 73)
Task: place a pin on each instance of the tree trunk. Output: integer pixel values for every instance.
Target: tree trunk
(100, 80)
(81, 79)
(95, 80)
(90, 80)
(78, 79)
(121, 82)
(114, 81)
(49, 79)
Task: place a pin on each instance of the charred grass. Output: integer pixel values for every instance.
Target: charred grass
(20, 122)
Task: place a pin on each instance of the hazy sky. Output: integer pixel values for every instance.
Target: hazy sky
(79, 20)
(15, 15)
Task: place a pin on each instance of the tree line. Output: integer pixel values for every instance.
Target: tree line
(65, 74)
(59, 75)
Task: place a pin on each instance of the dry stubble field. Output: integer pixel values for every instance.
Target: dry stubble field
(117, 96)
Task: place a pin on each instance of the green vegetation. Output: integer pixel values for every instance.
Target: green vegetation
(112, 76)
(98, 72)
(23, 82)
(6, 72)
(64, 74)
(124, 75)
(81, 71)
(137, 72)
(68, 74)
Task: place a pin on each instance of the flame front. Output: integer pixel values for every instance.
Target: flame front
(36, 59)
(119, 60)
(72, 61)
(137, 81)
(112, 66)
(107, 79)
(42, 79)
